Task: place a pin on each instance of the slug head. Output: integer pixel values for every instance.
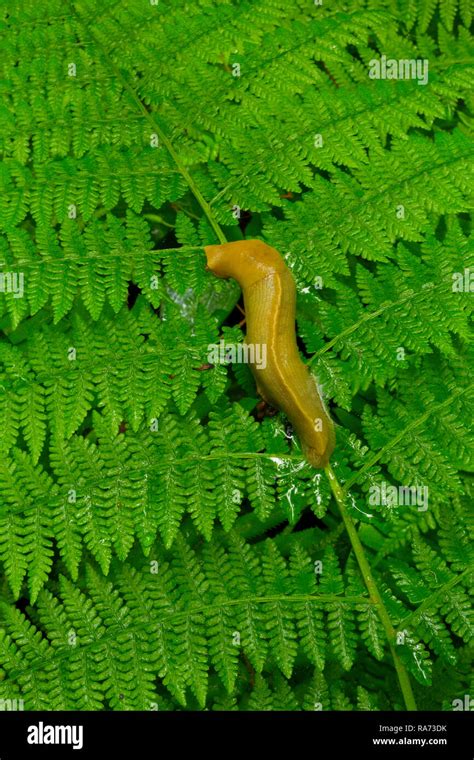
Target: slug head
(246, 261)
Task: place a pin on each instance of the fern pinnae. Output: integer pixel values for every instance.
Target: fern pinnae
(391, 444)
(165, 533)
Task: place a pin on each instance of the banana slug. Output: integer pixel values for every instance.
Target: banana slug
(270, 301)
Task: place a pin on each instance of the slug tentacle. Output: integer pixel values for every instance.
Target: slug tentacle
(270, 304)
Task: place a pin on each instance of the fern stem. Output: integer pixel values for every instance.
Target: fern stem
(161, 134)
(374, 593)
(98, 255)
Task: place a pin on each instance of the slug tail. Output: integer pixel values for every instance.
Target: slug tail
(315, 457)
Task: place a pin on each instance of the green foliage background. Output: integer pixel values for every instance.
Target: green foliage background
(157, 538)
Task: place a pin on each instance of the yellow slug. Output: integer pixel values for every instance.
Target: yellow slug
(269, 301)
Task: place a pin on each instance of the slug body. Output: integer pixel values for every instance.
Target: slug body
(270, 301)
